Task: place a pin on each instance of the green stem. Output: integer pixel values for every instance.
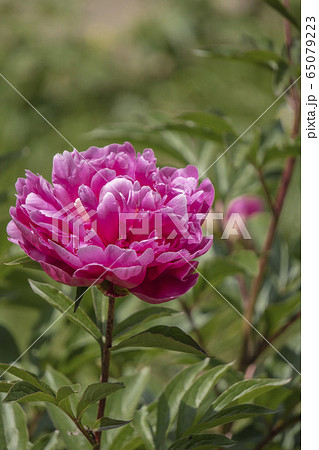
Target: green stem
(88, 436)
(105, 364)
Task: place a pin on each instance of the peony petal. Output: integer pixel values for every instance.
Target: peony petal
(166, 287)
(108, 219)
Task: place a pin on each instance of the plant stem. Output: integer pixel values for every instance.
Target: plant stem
(279, 428)
(266, 190)
(277, 208)
(105, 363)
(89, 437)
(257, 283)
(263, 344)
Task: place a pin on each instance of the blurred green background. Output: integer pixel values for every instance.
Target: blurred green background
(105, 71)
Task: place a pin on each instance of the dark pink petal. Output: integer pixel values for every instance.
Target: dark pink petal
(168, 286)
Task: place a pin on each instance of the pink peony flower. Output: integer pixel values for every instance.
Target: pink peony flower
(112, 216)
(246, 206)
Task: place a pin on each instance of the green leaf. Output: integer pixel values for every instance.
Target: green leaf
(194, 397)
(211, 121)
(274, 153)
(203, 441)
(80, 291)
(246, 390)
(100, 309)
(25, 375)
(58, 380)
(47, 442)
(264, 58)
(10, 351)
(25, 261)
(169, 400)
(142, 316)
(13, 427)
(60, 301)
(162, 336)
(95, 392)
(66, 427)
(5, 386)
(59, 419)
(247, 260)
(22, 391)
(143, 427)
(228, 415)
(279, 313)
(125, 403)
(221, 268)
(126, 439)
(65, 391)
(105, 423)
(191, 128)
(279, 7)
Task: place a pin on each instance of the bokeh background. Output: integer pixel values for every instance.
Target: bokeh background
(105, 71)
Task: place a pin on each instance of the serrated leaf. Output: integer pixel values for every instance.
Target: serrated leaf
(25, 375)
(105, 423)
(162, 336)
(143, 427)
(193, 398)
(22, 391)
(142, 316)
(279, 7)
(95, 392)
(203, 441)
(169, 400)
(65, 391)
(13, 427)
(246, 390)
(228, 415)
(61, 302)
(25, 261)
